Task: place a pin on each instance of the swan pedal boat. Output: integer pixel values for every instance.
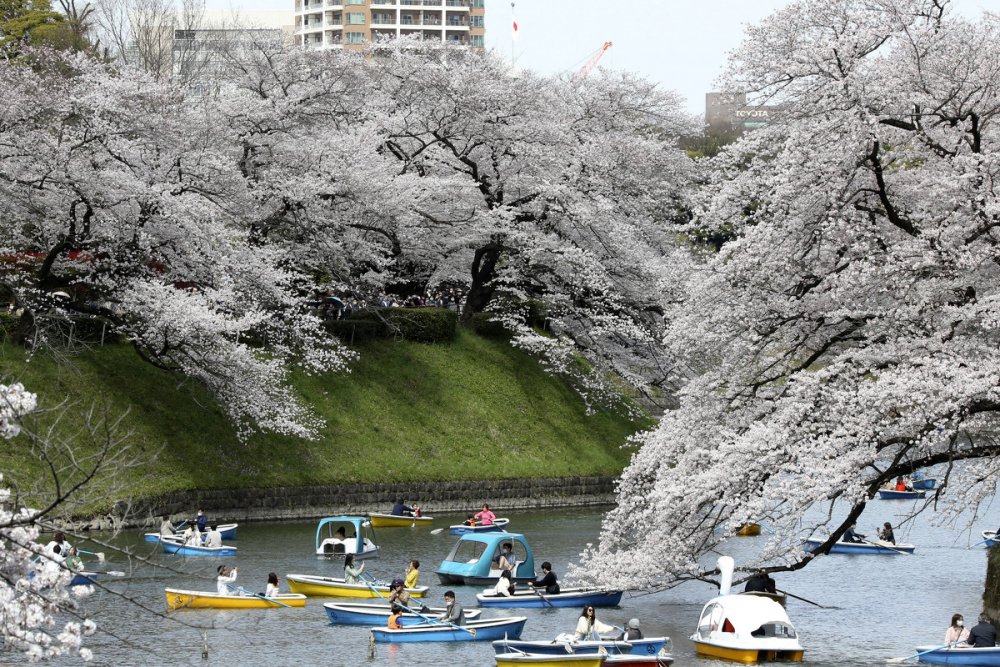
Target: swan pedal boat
(877, 547)
(565, 643)
(498, 525)
(347, 613)
(175, 546)
(960, 655)
(228, 531)
(478, 630)
(333, 587)
(892, 494)
(398, 521)
(567, 597)
(181, 599)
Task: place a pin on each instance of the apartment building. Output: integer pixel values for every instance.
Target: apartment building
(335, 24)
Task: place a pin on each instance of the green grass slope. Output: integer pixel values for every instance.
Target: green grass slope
(474, 409)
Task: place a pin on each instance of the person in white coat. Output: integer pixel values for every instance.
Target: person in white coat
(225, 578)
(213, 538)
(588, 627)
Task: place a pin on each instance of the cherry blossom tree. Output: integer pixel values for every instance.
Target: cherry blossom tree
(846, 333)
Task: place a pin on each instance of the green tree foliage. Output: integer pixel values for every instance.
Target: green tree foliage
(36, 23)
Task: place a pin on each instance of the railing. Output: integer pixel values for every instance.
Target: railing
(383, 20)
(457, 3)
(456, 22)
(428, 21)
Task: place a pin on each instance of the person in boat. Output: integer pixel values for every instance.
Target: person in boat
(225, 578)
(213, 538)
(485, 517)
(470, 520)
(453, 612)
(886, 534)
(73, 560)
(398, 593)
(272, 586)
(352, 572)
(851, 536)
(901, 485)
(166, 528)
(192, 538)
(956, 632)
(547, 581)
(505, 585)
(412, 574)
(402, 509)
(201, 521)
(760, 583)
(394, 613)
(507, 561)
(58, 549)
(632, 631)
(588, 627)
(983, 634)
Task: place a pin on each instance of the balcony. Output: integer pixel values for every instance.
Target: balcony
(457, 23)
(383, 20)
(383, 3)
(464, 4)
(430, 21)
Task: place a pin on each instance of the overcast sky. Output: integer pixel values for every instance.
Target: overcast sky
(681, 44)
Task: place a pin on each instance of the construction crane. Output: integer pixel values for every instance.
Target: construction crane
(592, 61)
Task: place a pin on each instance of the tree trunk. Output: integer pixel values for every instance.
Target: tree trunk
(481, 290)
(991, 594)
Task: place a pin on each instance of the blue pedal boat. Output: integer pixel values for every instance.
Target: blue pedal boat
(565, 644)
(987, 656)
(473, 559)
(179, 548)
(346, 535)
(227, 530)
(495, 527)
(923, 484)
(892, 494)
(479, 630)
(353, 613)
(567, 597)
(878, 548)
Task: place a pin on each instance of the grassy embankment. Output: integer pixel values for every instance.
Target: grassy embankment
(473, 409)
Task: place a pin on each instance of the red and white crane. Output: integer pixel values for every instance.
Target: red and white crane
(592, 61)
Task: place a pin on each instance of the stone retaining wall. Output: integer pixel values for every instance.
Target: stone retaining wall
(310, 502)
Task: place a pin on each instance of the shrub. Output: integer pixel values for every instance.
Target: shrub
(423, 325)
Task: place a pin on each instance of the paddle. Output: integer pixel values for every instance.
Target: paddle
(262, 597)
(538, 593)
(430, 619)
(896, 661)
(437, 531)
(979, 542)
(882, 545)
(98, 554)
(792, 595)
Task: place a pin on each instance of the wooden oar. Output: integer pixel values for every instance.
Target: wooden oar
(262, 597)
(792, 595)
(538, 593)
(430, 619)
(99, 554)
(896, 661)
(882, 545)
(437, 531)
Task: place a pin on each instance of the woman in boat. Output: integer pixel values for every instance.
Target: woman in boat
(395, 613)
(956, 632)
(547, 581)
(166, 528)
(412, 574)
(505, 585)
(73, 561)
(588, 627)
(886, 534)
(226, 577)
(272, 586)
(398, 593)
(352, 572)
(901, 485)
(486, 517)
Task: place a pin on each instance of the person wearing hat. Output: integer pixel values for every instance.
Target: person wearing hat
(398, 593)
(632, 631)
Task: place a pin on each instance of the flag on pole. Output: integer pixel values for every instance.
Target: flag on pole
(513, 27)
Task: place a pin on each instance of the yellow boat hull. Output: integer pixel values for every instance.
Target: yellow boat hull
(389, 521)
(594, 660)
(315, 587)
(747, 656)
(178, 599)
(748, 529)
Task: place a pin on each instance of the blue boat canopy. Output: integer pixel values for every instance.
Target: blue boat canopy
(352, 527)
(474, 558)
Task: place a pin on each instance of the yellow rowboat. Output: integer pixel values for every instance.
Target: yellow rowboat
(518, 659)
(180, 599)
(395, 521)
(333, 587)
(748, 529)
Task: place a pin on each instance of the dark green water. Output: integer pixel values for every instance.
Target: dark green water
(884, 606)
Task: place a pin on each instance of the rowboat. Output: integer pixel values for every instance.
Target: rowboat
(923, 484)
(989, 538)
(353, 535)
(748, 529)
(566, 643)
(174, 546)
(496, 526)
(661, 659)
(981, 657)
(396, 521)
(83, 578)
(478, 630)
(346, 613)
(228, 531)
(567, 597)
(473, 559)
(333, 587)
(862, 548)
(566, 660)
(892, 494)
(744, 628)
(181, 599)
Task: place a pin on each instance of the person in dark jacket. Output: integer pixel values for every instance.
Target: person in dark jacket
(984, 634)
(760, 583)
(547, 581)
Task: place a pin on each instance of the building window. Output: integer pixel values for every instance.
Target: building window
(355, 18)
(355, 2)
(478, 21)
(477, 40)
(354, 38)
(479, 4)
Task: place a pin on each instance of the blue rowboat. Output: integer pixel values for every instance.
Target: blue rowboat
(351, 613)
(565, 644)
(568, 597)
(83, 578)
(473, 559)
(497, 526)
(862, 548)
(479, 630)
(181, 549)
(955, 655)
(227, 530)
(892, 494)
(923, 484)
